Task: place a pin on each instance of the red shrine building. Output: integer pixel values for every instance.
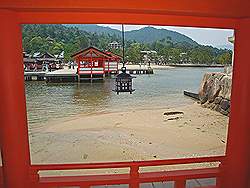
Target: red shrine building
(93, 63)
(16, 167)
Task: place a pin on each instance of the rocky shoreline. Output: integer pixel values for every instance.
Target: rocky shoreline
(215, 91)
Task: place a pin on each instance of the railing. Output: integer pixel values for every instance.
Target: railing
(91, 70)
(111, 66)
(133, 178)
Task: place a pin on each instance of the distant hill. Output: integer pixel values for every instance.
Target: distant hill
(95, 29)
(151, 34)
(143, 35)
(55, 38)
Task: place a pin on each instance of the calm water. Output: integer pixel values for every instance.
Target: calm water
(51, 101)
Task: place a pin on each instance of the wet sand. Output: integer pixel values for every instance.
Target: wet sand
(131, 135)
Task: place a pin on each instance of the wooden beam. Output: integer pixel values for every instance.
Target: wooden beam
(13, 116)
(236, 171)
(126, 18)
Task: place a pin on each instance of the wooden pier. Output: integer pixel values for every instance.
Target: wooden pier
(63, 75)
(70, 75)
(34, 76)
(141, 71)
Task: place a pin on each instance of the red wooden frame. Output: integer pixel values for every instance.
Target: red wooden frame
(134, 178)
(233, 14)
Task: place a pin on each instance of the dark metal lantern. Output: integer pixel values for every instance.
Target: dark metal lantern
(124, 82)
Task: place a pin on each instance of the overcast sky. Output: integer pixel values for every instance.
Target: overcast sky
(214, 37)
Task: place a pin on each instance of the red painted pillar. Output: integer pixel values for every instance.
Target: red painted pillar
(13, 120)
(180, 183)
(134, 175)
(236, 169)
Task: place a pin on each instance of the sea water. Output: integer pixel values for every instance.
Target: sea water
(163, 89)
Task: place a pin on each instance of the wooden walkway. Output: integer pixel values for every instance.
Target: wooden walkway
(70, 75)
(34, 76)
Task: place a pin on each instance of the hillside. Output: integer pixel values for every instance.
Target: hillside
(169, 45)
(92, 28)
(143, 35)
(151, 34)
(55, 38)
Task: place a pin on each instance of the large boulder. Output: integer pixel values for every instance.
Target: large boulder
(215, 92)
(210, 87)
(226, 84)
(225, 104)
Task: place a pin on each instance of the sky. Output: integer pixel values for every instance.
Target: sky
(205, 36)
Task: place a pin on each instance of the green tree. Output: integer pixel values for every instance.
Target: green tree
(37, 44)
(82, 42)
(133, 53)
(225, 58)
(56, 38)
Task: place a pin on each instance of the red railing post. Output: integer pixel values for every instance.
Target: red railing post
(180, 183)
(134, 177)
(34, 178)
(218, 178)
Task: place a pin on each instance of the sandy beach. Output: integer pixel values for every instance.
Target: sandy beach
(132, 135)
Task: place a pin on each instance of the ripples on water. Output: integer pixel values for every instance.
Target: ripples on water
(50, 101)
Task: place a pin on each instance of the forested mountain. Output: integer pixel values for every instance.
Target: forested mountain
(151, 34)
(93, 28)
(55, 38)
(143, 35)
(58, 38)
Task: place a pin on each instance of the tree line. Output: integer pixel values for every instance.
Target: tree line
(57, 38)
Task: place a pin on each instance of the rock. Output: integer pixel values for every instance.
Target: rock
(223, 112)
(222, 141)
(210, 87)
(217, 108)
(225, 104)
(228, 70)
(205, 105)
(85, 156)
(212, 106)
(214, 88)
(217, 100)
(215, 92)
(203, 89)
(203, 98)
(226, 84)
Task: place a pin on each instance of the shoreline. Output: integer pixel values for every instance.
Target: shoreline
(172, 66)
(108, 111)
(131, 135)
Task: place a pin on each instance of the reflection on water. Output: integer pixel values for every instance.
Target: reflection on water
(50, 101)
